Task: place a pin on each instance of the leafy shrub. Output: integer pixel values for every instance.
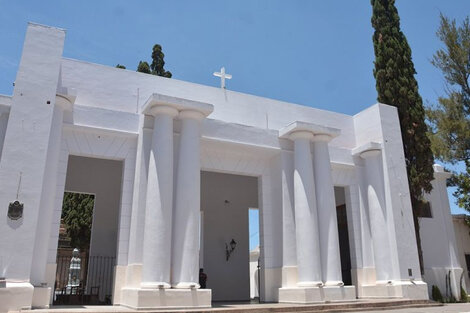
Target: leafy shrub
(463, 295)
(436, 294)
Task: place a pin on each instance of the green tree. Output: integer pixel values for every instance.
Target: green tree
(450, 119)
(121, 66)
(143, 67)
(77, 215)
(158, 63)
(396, 85)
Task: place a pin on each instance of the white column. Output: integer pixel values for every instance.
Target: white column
(185, 270)
(306, 216)
(136, 236)
(289, 254)
(41, 243)
(328, 225)
(378, 215)
(158, 213)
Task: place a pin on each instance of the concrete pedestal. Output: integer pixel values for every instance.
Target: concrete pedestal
(41, 297)
(416, 290)
(142, 299)
(16, 296)
(317, 294)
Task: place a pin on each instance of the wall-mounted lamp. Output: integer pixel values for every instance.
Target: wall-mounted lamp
(229, 249)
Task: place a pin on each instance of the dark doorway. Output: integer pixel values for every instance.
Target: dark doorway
(343, 235)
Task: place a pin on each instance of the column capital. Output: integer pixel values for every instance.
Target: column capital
(179, 104)
(191, 114)
(300, 135)
(367, 150)
(318, 132)
(322, 138)
(162, 110)
(65, 98)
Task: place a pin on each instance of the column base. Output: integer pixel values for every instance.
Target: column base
(415, 290)
(16, 297)
(290, 276)
(308, 295)
(41, 297)
(143, 299)
(120, 275)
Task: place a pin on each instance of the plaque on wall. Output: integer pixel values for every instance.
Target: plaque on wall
(15, 210)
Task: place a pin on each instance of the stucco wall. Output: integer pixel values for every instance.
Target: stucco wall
(462, 235)
(126, 91)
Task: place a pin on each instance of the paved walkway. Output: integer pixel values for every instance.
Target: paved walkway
(414, 306)
(448, 308)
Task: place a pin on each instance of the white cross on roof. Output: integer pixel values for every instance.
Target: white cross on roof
(222, 76)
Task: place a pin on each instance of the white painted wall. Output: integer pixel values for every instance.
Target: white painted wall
(462, 236)
(438, 238)
(123, 90)
(229, 280)
(380, 123)
(25, 146)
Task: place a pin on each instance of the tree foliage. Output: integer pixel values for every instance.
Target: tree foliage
(121, 66)
(143, 67)
(157, 65)
(396, 85)
(77, 215)
(450, 119)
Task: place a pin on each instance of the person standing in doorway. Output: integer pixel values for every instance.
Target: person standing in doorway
(202, 278)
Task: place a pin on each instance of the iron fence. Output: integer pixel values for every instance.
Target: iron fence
(95, 281)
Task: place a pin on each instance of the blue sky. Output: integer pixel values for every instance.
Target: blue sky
(316, 53)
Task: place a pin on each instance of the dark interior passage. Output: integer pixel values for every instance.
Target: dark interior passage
(343, 235)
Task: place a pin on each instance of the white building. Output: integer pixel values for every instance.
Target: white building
(462, 236)
(441, 259)
(69, 122)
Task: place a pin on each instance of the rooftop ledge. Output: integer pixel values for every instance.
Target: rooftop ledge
(308, 127)
(180, 104)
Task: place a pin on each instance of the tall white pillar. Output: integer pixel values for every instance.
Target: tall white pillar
(136, 235)
(306, 216)
(158, 213)
(38, 267)
(378, 215)
(328, 226)
(185, 270)
(289, 254)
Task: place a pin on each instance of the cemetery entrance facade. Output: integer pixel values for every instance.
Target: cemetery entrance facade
(151, 140)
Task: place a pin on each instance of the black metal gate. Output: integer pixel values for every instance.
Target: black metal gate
(96, 281)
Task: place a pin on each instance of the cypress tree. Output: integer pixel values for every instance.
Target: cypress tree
(396, 85)
(158, 63)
